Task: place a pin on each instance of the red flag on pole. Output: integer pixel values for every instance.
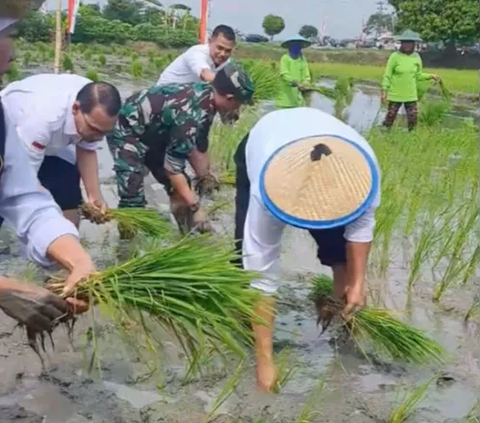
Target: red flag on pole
(72, 15)
(203, 22)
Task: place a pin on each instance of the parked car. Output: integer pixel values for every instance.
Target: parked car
(256, 38)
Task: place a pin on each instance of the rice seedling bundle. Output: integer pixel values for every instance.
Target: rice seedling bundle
(191, 288)
(132, 221)
(379, 329)
(266, 79)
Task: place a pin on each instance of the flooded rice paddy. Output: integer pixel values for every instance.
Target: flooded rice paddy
(356, 390)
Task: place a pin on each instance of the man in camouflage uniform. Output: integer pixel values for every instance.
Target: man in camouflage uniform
(164, 127)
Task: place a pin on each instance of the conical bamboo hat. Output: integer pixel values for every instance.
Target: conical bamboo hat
(319, 182)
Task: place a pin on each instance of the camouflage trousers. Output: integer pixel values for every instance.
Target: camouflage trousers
(133, 159)
(392, 112)
(129, 166)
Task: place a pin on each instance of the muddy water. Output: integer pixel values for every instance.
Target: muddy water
(126, 391)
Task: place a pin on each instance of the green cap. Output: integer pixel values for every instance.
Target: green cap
(233, 79)
(408, 35)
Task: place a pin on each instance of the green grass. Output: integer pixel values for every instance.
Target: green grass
(458, 81)
(407, 402)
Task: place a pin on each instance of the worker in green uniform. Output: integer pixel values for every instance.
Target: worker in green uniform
(294, 73)
(403, 72)
(166, 126)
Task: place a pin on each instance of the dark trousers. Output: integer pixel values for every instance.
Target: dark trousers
(392, 112)
(62, 179)
(331, 243)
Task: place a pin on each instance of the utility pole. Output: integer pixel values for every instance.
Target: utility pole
(58, 37)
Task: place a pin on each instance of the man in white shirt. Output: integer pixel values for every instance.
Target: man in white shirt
(32, 213)
(200, 63)
(304, 168)
(61, 118)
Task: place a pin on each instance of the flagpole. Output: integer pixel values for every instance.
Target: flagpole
(58, 37)
(203, 22)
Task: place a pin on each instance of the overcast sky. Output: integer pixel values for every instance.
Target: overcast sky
(343, 18)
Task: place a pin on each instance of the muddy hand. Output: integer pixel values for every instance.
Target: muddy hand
(201, 222)
(207, 185)
(327, 308)
(32, 306)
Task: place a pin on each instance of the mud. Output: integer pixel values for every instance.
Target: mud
(123, 389)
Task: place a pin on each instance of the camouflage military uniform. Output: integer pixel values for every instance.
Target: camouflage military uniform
(159, 128)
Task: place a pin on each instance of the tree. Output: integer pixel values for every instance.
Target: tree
(36, 27)
(379, 22)
(128, 11)
(452, 21)
(273, 25)
(308, 31)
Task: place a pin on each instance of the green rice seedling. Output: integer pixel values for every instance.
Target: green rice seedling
(310, 409)
(407, 402)
(468, 223)
(68, 63)
(224, 140)
(472, 265)
(13, 73)
(322, 286)
(429, 237)
(265, 80)
(379, 329)
(92, 74)
(190, 288)
(102, 60)
(133, 221)
(226, 391)
(136, 69)
(474, 311)
(392, 338)
(286, 368)
(87, 55)
(433, 112)
(27, 58)
(134, 57)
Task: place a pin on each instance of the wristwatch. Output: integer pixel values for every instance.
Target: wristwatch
(195, 207)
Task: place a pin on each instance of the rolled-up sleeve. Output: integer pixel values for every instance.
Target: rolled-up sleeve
(28, 209)
(91, 146)
(362, 229)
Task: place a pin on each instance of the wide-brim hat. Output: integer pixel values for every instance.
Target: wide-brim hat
(319, 182)
(408, 35)
(298, 39)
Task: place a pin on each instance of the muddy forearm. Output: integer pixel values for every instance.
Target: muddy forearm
(88, 167)
(68, 252)
(180, 185)
(200, 163)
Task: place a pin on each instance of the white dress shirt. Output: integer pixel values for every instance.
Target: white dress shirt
(263, 232)
(25, 206)
(188, 67)
(41, 109)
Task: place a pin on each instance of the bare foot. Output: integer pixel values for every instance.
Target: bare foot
(266, 375)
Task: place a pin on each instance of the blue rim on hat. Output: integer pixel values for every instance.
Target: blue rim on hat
(319, 182)
(297, 39)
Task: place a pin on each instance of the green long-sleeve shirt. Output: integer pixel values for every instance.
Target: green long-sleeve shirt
(292, 71)
(401, 76)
